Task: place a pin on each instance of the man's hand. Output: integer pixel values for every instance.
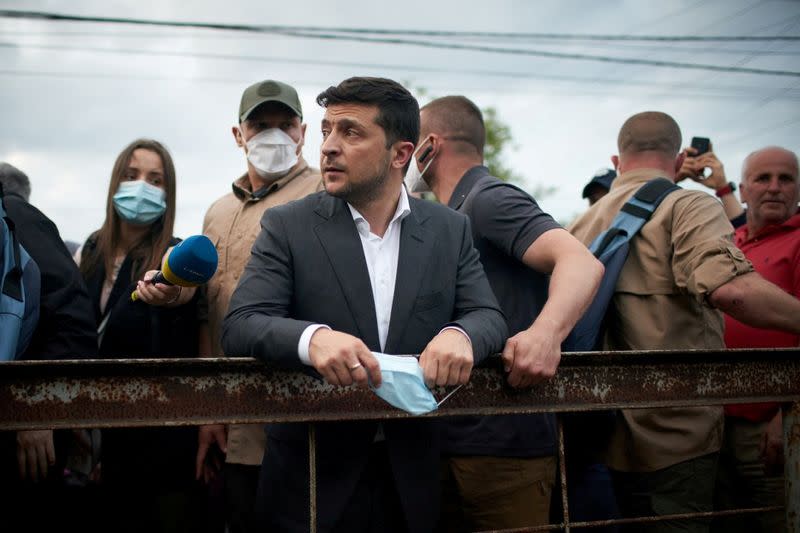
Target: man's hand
(531, 356)
(207, 436)
(35, 453)
(772, 445)
(156, 293)
(688, 168)
(693, 167)
(447, 359)
(715, 180)
(343, 359)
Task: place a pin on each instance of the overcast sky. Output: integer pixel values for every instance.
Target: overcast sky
(72, 95)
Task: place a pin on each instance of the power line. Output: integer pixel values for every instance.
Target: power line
(709, 24)
(417, 42)
(692, 92)
(551, 55)
(429, 44)
(615, 82)
(776, 93)
(383, 31)
(632, 47)
(751, 134)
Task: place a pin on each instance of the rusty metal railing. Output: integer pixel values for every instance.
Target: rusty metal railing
(166, 392)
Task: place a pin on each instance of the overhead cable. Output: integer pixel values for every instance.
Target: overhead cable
(612, 81)
(412, 42)
(383, 31)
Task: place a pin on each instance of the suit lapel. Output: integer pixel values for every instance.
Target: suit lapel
(339, 238)
(416, 247)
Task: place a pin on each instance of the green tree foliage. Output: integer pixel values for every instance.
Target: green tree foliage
(499, 142)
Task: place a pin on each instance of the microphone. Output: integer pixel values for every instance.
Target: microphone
(191, 262)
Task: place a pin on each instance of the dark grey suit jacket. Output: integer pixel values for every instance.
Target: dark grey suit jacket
(308, 267)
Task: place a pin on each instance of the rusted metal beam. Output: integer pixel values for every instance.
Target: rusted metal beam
(638, 520)
(107, 393)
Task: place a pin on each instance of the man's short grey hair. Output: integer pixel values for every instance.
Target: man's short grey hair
(15, 181)
(746, 163)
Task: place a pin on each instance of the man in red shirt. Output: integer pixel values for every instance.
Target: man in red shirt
(751, 459)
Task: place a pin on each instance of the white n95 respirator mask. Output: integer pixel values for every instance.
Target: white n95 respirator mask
(272, 153)
(413, 180)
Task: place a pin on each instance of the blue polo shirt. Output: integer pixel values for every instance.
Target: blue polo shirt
(505, 221)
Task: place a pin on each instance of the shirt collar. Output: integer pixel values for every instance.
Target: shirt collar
(402, 211)
(791, 224)
(465, 184)
(242, 188)
(637, 175)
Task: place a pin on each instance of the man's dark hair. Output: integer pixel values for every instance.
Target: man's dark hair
(15, 181)
(457, 118)
(398, 110)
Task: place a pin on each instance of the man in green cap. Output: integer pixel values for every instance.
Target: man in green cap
(271, 134)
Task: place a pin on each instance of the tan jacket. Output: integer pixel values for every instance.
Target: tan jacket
(680, 256)
(233, 223)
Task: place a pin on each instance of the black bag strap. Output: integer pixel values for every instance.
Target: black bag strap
(632, 216)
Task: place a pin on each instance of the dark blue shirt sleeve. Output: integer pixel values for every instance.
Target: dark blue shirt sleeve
(509, 218)
(739, 221)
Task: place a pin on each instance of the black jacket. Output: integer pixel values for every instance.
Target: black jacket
(307, 266)
(138, 330)
(66, 328)
(149, 458)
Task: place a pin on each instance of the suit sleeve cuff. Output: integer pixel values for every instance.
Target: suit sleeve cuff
(304, 343)
(455, 328)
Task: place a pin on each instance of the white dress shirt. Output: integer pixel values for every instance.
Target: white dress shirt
(381, 254)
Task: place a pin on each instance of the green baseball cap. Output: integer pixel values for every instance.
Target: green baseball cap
(269, 91)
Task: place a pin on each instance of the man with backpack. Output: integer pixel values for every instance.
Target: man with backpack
(682, 271)
(65, 330)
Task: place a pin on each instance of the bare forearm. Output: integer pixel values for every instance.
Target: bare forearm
(756, 302)
(573, 283)
(731, 206)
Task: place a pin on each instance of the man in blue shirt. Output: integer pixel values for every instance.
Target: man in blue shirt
(500, 470)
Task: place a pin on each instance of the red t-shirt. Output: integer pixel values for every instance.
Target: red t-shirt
(775, 254)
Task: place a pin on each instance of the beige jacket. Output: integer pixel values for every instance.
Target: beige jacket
(233, 223)
(680, 256)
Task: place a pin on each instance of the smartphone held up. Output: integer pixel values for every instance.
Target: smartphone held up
(702, 145)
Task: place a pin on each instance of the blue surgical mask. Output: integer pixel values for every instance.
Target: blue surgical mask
(403, 384)
(140, 203)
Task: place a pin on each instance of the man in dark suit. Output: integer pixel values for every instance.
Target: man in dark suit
(337, 275)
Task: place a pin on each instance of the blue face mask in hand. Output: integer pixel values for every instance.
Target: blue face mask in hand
(403, 384)
(138, 202)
